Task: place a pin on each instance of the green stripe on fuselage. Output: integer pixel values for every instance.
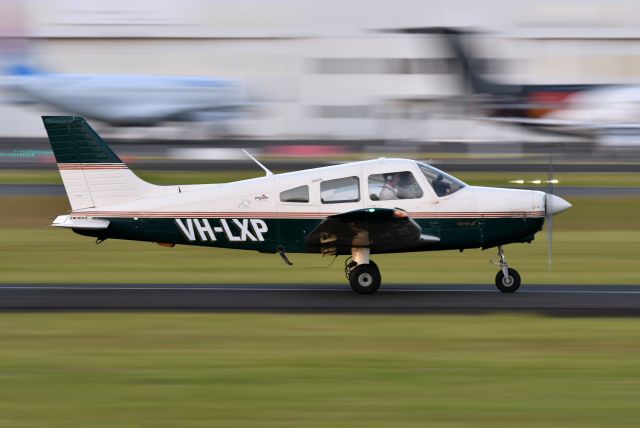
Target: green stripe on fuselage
(266, 235)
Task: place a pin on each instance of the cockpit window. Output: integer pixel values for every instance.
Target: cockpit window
(297, 194)
(393, 185)
(443, 184)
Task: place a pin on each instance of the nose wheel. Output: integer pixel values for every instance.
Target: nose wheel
(507, 279)
(508, 283)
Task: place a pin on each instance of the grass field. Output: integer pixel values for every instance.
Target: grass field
(60, 256)
(253, 370)
(239, 370)
(595, 242)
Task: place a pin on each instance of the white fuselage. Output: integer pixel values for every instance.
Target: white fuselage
(601, 107)
(261, 196)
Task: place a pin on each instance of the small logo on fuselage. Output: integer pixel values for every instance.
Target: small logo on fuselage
(234, 230)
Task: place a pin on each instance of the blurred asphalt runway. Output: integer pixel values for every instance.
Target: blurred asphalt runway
(565, 300)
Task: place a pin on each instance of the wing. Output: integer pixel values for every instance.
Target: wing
(380, 229)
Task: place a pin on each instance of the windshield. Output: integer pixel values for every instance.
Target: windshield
(443, 184)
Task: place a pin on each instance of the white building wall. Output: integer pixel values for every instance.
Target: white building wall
(274, 46)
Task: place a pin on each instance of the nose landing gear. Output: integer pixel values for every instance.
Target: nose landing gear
(507, 279)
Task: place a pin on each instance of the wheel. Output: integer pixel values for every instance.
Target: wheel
(510, 283)
(365, 279)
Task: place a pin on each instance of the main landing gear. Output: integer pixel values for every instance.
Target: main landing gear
(507, 279)
(363, 274)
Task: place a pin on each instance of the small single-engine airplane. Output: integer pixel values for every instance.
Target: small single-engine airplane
(357, 209)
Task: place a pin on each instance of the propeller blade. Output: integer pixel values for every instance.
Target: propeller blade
(549, 213)
(548, 202)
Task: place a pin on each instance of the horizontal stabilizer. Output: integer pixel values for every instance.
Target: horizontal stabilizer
(79, 223)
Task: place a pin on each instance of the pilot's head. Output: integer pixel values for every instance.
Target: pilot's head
(391, 178)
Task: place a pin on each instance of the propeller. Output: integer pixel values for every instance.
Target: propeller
(548, 209)
(552, 205)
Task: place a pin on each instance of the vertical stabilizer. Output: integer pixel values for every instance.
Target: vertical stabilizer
(474, 80)
(93, 175)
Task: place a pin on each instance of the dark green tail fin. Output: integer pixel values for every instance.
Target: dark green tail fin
(93, 175)
(74, 141)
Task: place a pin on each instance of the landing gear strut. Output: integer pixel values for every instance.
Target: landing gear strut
(507, 279)
(363, 273)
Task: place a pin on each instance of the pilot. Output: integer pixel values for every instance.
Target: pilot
(440, 186)
(407, 187)
(390, 188)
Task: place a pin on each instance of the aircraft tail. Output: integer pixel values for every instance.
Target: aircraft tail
(474, 79)
(93, 175)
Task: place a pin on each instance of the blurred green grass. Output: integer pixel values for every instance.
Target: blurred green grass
(580, 257)
(239, 370)
(249, 370)
(595, 242)
(500, 179)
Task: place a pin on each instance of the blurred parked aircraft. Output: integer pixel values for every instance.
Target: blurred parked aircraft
(587, 110)
(129, 100)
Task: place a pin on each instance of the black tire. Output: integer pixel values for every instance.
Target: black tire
(365, 279)
(510, 284)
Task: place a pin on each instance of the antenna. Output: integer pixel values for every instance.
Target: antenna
(266, 170)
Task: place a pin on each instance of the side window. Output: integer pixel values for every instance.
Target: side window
(297, 194)
(340, 190)
(393, 185)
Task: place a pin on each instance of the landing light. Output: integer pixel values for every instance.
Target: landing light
(400, 214)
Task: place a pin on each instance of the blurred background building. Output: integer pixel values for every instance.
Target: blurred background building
(323, 69)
